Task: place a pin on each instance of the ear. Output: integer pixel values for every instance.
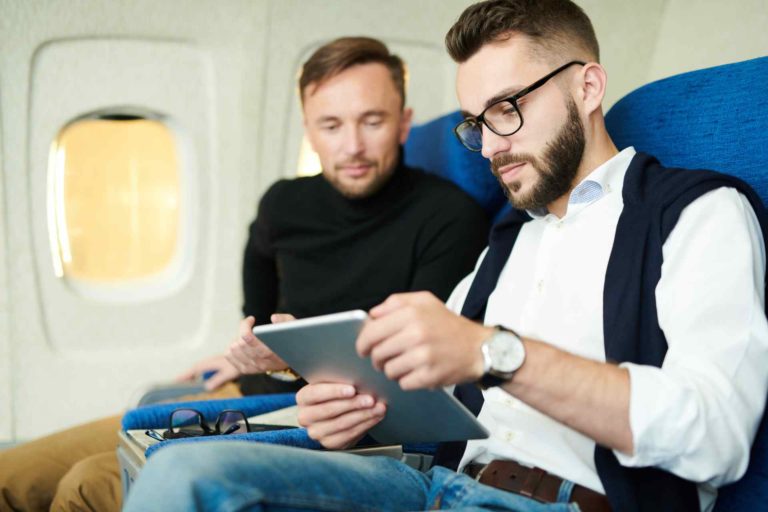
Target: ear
(405, 124)
(592, 86)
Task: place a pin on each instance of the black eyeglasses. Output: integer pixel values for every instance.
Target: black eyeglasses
(502, 117)
(191, 423)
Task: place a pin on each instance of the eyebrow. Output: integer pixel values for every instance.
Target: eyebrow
(380, 113)
(326, 119)
(504, 93)
(368, 113)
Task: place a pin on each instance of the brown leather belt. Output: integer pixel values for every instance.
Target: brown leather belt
(534, 483)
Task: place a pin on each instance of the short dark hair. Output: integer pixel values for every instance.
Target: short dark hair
(331, 59)
(558, 29)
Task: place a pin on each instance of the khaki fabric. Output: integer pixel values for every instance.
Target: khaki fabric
(72, 470)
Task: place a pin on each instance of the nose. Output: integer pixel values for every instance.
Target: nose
(494, 144)
(353, 141)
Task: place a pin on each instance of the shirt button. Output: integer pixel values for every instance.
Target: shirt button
(510, 436)
(540, 285)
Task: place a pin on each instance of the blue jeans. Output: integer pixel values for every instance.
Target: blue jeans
(238, 476)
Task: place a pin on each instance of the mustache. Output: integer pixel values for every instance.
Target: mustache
(355, 162)
(510, 158)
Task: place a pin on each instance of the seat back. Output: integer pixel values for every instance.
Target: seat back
(433, 147)
(714, 118)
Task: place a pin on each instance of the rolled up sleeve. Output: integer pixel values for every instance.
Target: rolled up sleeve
(697, 415)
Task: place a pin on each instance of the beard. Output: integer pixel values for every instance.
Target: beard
(556, 168)
(359, 189)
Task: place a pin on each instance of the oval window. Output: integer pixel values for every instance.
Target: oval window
(114, 198)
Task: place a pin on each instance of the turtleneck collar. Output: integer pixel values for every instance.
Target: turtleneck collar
(391, 191)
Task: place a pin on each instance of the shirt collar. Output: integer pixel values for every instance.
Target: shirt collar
(606, 178)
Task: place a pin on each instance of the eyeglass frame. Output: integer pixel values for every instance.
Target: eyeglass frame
(480, 119)
(207, 430)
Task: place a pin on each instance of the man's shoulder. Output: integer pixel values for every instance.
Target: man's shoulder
(649, 180)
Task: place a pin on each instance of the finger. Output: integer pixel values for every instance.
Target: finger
(222, 376)
(186, 375)
(406, 363)
(312, 414)
(237, 359)
(376, 331)
(392, 303)
(249, 351)
(246, 327)
(215, 381)
(281, 317)
(420, 378)
(322, 392)
(345, 423)
(235, 362)
(390, 348)
(349, 438)
(257, 346)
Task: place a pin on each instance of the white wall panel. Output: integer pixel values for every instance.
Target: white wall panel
(696, 34)
(627, 32)
(6, 396)
(198, 61)
(72, 78)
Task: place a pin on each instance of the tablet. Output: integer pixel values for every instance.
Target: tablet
(322, 349)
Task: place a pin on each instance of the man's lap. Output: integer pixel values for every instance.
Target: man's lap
(245, 476)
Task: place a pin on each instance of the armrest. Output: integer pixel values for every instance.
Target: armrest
(156, 416)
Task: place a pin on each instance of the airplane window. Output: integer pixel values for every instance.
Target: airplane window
(114, 199)
(309, 162)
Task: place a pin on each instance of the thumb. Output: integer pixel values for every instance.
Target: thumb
(281, 317)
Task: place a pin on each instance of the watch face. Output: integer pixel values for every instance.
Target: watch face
(506, 351)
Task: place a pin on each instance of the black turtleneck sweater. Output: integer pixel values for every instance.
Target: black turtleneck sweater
(311, 251)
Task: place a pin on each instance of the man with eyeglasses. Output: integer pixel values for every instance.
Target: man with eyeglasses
(627, 368)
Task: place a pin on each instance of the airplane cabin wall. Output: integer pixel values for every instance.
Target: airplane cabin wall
(6, 418)
(72, 357)
(645, 41)
(236, 65)
(696, 34)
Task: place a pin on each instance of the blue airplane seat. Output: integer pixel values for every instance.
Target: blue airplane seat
(433, 147)
(156, 417)
(714, 118)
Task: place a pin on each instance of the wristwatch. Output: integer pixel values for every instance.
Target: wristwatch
(503, 354)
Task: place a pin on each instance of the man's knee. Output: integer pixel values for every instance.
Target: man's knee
(27, 480)
(92, 484)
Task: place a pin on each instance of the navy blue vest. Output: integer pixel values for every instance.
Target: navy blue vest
(654, 197)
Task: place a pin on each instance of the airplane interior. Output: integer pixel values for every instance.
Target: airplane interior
(137, 138)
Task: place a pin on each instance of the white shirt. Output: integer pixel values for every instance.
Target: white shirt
(697, 415)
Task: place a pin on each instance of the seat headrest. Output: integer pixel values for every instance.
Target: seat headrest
(714, 118)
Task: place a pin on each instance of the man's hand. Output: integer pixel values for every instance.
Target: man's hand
(420, 343)
(224, 372)
(335, 415)
(249, 355)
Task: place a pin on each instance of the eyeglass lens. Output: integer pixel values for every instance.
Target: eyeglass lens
(231, 422)
(188, 422)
